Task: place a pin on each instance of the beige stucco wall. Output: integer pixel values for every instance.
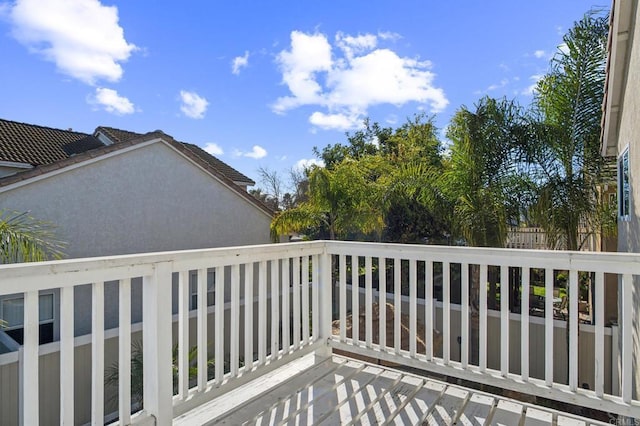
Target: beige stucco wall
(629, 136)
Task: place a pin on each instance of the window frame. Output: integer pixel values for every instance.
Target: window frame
(40, 321)
(624, 187)
(193, 288)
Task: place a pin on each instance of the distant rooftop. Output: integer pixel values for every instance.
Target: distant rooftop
(38, 145)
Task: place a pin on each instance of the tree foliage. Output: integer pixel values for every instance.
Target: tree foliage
(482, 177)
(565, 133)
(25, 239)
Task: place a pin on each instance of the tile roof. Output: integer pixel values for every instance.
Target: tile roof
(38, 145)
(65, 148)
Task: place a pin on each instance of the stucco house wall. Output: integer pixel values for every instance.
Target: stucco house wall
(150, 198)
(144, 198)
(628, 129)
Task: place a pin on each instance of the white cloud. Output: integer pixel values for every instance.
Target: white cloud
(193, 105)
(213, 149)
(335, 121)
(350, 79)
(530, 90)
(309, 54)
(304, 164)
(240, 62)
(497, 86)
(111, 101)
(351, 45)
(388, 35)
(82, 37)
(257, 152)
(539, 54)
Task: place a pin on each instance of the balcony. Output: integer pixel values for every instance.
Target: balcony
(321, 332)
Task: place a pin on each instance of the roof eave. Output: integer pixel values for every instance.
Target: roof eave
(616, 71)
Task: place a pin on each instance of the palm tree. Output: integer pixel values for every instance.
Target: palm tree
(25, 239)
(340, 200)
(482, 179)
(566, 131)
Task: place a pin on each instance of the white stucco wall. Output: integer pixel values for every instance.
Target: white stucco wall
(629, 136)
(148, 199)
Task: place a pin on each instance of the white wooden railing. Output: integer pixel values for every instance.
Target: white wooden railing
(280, 302)
(625, 266)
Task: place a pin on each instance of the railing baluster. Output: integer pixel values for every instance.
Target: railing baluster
(464, 315)
(67, 347)
(305, 299)
(446, 312)
(397, 301)
(219, 323)
(275, 308)
(368, 297)
(355, 300)
(548, 329)
(201, 306)
(234, 322)
(248, 316)
(524, 324)
(627, 337)
(599, 333)
(342, 283)
(30, 357)
(183, 333)
(482, 318)
(504, 320)
(315, 297)
(296, 303)
(573, 330)
(262, 312)
(124, 351)
(97, 353)
(428, 307)
(413, 305)
(382, 302)
(156, 341)
(286, 316)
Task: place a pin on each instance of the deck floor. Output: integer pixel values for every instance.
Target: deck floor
(346, 391)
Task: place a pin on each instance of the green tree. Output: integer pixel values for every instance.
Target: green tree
(482, 178)
(565, 134)
(340, 200)
(25, 239)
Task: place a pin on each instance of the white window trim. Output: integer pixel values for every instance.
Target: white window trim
(623, 153)
(41, 322)
(193, 289)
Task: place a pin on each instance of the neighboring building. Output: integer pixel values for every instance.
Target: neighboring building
(118, 192)
(621, 136)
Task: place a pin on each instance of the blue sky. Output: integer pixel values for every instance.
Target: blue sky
(261, 83)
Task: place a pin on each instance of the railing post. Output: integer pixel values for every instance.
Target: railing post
(156, 340)
(325, 303)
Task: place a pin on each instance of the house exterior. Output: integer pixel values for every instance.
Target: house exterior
(621, 137)
(116, 192)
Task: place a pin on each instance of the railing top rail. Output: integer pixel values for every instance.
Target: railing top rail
(558, 259)
(69, 272)
(43, 275)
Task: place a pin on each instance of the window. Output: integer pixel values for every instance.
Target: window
(193, 287)
(624, 194)
(12, 314)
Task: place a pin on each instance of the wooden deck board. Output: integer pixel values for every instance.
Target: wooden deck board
(346, 391)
